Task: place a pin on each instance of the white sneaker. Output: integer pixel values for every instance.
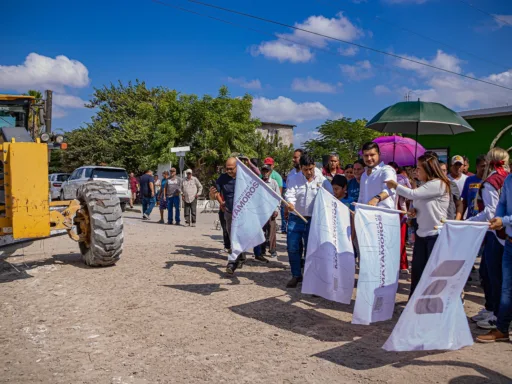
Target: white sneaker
(483, 315)
(488, 324)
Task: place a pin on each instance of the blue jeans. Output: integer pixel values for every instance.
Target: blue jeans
(148, 203)
(493, 255)
(298, 232)
(505, 312)
(173, 202)
(284, 223)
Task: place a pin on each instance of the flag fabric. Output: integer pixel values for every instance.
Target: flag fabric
(378, 235)
(330, 265)
(253, 205)
(434, 317)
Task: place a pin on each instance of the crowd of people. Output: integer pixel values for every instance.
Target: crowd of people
(168, 192)
(426, 194)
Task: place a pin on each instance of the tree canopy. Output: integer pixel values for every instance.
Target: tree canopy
(135, 127)
(343, 137)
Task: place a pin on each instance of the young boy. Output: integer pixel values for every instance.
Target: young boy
(339, 187)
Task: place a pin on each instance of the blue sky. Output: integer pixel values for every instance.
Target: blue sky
(72, 47)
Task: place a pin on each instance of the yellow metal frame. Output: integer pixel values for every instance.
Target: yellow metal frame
(27, 208)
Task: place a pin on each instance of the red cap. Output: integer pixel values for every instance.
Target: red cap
(269, 161)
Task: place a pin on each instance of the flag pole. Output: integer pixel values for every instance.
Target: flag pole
(380, 208)
(274, 192)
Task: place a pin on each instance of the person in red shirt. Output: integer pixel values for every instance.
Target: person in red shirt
(134, 187)
(333, 167)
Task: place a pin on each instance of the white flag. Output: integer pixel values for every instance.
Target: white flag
(330, 266)
(253, 205)
(434, 317)
(378, 235)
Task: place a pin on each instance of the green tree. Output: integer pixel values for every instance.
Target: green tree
(33, 118)
(275, 148)
(343, 136)
(135, 127)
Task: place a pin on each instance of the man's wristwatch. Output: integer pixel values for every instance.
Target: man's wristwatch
(378, 197)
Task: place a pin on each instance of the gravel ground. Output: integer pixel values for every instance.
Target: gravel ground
(167, 313)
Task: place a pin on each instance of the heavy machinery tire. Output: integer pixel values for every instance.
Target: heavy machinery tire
(100, 223)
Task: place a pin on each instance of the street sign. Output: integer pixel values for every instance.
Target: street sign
(180, 149)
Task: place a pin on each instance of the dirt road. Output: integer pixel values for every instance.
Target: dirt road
(166, 313)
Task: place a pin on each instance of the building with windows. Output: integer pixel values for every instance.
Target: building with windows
(284, 131)
(493, 128)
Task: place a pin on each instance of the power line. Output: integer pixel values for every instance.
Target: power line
(401, 27)
(486, 13)
(271, 34)
(340, 40)
(394, 25)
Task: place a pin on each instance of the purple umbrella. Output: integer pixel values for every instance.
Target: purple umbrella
(399, 149)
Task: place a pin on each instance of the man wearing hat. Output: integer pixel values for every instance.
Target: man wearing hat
(274, 175)
(456, 172)
(192, 188)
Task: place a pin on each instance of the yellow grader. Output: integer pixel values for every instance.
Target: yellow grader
(93, 219)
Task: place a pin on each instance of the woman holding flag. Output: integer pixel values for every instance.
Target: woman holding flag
(487, 200)
(431, 202)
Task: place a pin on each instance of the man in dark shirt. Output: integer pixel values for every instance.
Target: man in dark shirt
(225, 195)
(147, 191)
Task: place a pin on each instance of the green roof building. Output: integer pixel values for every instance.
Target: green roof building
(493, 128)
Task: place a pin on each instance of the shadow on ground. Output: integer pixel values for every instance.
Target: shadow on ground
(20, 269)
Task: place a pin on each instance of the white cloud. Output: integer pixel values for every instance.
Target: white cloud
(381, 90)
(457, 92)
(42, 72)
(503, 20)
(350, 51)
(361, 71)
(299, 138)
(284, 109)
(442, 60)
(312, 85)
(339, 27)
(284, 49)
(248, 84)
(68, 101)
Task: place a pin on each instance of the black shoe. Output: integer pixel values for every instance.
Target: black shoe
(231, 268)
(169, 223)
(294, 281)
(263, 252)
(261, 258)
(241, 260)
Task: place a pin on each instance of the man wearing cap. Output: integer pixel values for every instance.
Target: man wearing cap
(192, 188)
(456, 172)
(274, 175)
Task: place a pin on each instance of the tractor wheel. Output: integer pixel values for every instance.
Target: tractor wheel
(99, 224)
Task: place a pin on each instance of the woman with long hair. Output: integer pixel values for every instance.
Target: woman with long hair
(490, 266)
(332, 168)
(431, 202)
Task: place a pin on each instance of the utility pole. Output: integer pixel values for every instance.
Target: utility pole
(48, 112)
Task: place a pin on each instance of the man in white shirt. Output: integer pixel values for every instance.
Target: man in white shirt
(456, 174)
(373, 188)
(301, 191)
(296, 164)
